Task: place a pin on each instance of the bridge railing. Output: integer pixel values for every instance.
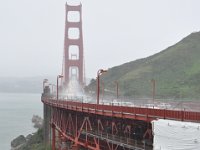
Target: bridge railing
(168, 104)
(123, 111)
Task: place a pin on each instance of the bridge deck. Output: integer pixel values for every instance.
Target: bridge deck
(145, 114)
(121, 141)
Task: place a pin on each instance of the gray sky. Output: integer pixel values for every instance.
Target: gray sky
(114, 32)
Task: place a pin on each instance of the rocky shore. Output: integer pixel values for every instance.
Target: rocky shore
(20, 142)
(32, 141)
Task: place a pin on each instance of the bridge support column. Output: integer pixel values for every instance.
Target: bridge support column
(63, 143)
(75, 147)
(53, 136)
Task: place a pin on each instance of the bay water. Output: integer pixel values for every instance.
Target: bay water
(16, 111)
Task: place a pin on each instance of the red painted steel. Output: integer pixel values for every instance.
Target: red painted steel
(75, 139)
(68, 61)
(145, 114)
(88, 122)
(92, 132)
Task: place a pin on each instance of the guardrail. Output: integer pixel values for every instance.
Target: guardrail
(147, 114)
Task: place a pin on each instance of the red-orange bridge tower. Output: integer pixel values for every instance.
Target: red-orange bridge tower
(71, 123)
(73, 62)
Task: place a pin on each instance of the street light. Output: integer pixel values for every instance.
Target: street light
(117, 88)
(102, 91)
(99, 72)
(52, 85)
(59, 76)
(153, 89)
(44, 81)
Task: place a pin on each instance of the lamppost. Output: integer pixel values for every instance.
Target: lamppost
(153, 89)
(102, 91)
(44, 81)
(99, 72)
(59, 76)
(117, 88)
(52, 85)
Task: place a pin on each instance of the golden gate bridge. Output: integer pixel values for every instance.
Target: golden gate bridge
(71, 121)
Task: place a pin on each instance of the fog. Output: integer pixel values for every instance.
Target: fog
(114, 32)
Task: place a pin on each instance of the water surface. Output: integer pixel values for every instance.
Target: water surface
(16, 111)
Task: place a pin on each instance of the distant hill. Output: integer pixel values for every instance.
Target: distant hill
(22, 84)
(176, 71)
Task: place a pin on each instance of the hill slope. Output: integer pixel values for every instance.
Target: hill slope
(176, 71)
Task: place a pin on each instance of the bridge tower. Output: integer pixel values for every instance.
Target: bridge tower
(73, 62)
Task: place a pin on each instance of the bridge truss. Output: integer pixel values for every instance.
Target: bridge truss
(77, 125)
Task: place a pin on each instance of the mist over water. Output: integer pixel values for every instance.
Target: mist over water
(16, 111)
(74, 88)
(75, 92)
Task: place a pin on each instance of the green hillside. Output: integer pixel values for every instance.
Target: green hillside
(176, 71)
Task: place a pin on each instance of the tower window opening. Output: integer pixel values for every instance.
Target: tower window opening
(73, 52)
(74, 73)
(73, 16)
(73, 33)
